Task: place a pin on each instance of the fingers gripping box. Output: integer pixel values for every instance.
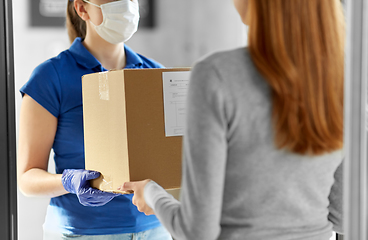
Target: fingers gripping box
(124, 129)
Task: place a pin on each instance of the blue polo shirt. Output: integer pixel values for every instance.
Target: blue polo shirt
(56, 85)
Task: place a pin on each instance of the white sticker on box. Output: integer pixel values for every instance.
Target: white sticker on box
(175, 87)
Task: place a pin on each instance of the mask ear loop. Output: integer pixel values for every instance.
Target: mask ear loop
(94, 4)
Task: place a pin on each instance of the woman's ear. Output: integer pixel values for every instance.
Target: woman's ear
(248, 13)
(79, 7)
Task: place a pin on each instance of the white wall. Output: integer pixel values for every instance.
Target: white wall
(185, 31)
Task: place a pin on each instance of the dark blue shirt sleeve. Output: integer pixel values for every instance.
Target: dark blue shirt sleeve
(44, 87)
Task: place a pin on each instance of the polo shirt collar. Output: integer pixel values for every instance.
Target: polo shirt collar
(86, 59)
(82, 55)
(133, 60)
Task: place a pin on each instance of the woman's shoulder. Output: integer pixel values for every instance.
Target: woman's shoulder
(235, 65)
(54, 64)
(149, 62)
(234, 71)
(226, 58)
(60, 57)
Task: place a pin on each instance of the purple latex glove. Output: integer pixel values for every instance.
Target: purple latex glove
(77, 181)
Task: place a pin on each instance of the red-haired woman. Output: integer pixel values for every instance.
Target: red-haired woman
(262, 148)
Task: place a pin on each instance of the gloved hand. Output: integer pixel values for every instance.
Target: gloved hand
(77, 181)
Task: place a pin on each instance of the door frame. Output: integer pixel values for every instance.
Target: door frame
(8, 186)
(355, 123)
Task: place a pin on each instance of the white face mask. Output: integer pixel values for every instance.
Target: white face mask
(120, 20)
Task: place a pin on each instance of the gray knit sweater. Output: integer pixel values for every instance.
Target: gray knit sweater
(235, 183)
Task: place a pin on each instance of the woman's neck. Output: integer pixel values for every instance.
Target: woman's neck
(111, 56)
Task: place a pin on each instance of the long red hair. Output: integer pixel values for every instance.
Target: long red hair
(298, 46)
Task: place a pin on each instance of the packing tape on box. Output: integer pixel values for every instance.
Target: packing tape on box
(103, 85)
(107, 183)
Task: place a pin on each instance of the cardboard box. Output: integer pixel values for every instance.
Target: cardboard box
(124, 129)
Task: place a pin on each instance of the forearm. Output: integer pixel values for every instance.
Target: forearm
(166, 209)
(37, 182)
(186, 219)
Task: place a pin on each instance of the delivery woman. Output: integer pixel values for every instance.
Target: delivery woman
(51, 117)
(262, 148)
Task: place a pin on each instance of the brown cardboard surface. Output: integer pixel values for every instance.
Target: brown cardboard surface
(124, 129)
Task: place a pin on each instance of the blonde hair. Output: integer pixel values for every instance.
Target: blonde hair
(298, 46)
(75, 25)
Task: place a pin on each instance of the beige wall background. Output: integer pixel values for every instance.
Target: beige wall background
(185, 31)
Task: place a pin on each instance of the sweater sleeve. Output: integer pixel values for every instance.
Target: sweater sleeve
(336, 196)
(198, 214)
